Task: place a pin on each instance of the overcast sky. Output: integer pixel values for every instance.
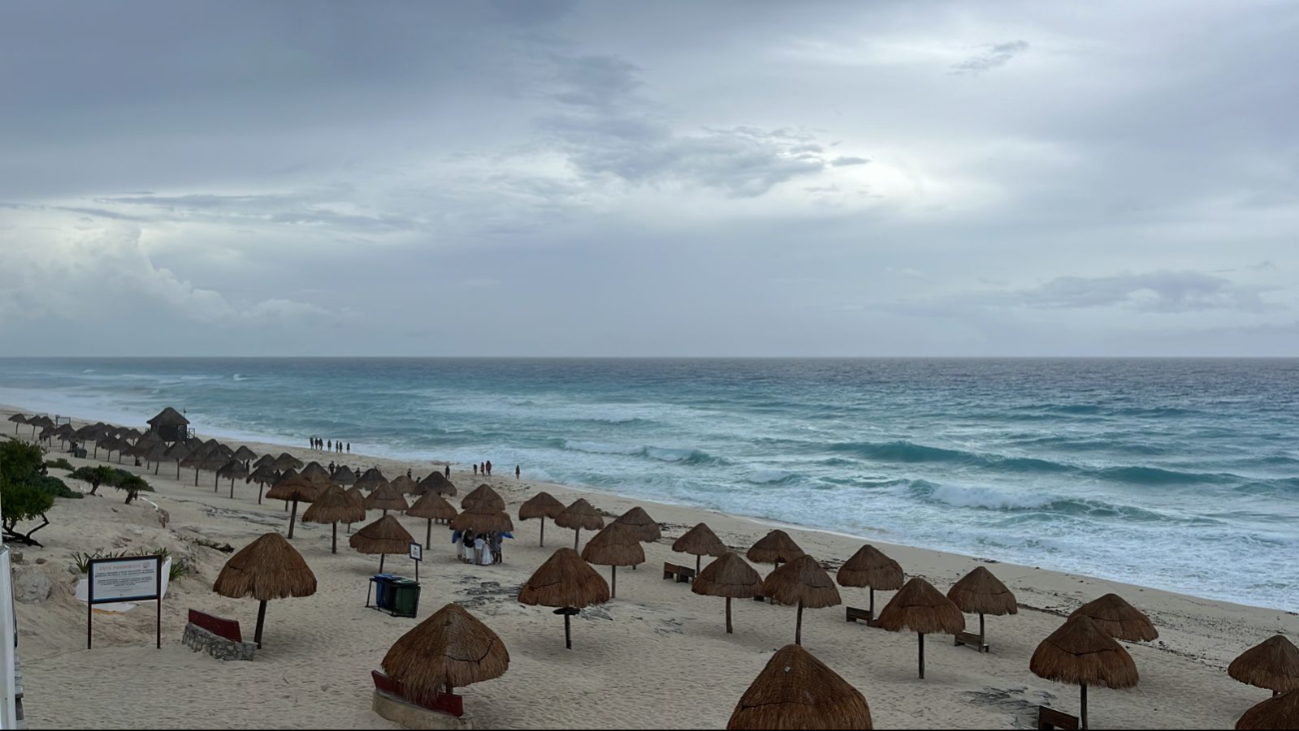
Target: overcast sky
(618, 178)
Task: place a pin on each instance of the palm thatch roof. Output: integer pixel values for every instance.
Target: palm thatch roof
(262, 475)
(729, 576)
(801, 581)
(232, 470)
(700, 541)
(542, 505)
(404, 485)
(357, 495)
(797, 691)
(344, 476)
(268, 568)
(89, 431)
(42, 421)
(483, 517)
(775, 547)
(483, 493)
(286, 474)
(919, 607)
(244, 454)
(450, 649)
(333, 505)
(438, 483)
(371, 479)
(315, 473)
(168, 417)
(870, 567)
(580, 515)
(18, 419)
(1081, 653)
(432, 506)
(265, 460)
(979, 592)
(1121, 620)
(286, 462)
(616, 545)
(645, 527)
(1271, 664)
(155, 453)
(565, 580)
(178, 452)
(385, 535)
(1279, 713)
(385, 497)
(296, 488)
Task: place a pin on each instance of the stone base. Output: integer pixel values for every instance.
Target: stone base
(409, 715)
(200, 640)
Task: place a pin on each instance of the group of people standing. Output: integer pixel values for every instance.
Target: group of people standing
(330, 445)
(485, 469)
(480, 549)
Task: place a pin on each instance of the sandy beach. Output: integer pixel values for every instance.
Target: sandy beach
(657, 656)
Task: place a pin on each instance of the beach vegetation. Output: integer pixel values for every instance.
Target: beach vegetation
(96, 476)
(60, 464)
(132, 485)
(21, 490)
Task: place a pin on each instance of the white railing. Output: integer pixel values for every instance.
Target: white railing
(9, 643)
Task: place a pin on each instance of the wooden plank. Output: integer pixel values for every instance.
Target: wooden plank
(853, 614)
(1049, 718)
(670, 570)
(971, 640)
(227, 628)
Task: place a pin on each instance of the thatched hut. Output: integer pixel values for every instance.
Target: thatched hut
(567, 582)
(333, 506)
(438, 483)
(802, 583)
(979, 592)
(294, 489)
(645, 527)
(577, 516)
(1274, 714)
(797, 691)
(372, 479)
(1083, 654)
(268, 568)
(450, 649)
(542, 505)
(404, 485)
(700, 541)
(921, 608)
(774, 548)
(483, 517)
(232, 470)
(1271, 664)
(385, 498)
(485, 494)
(383, 536)
(344, 476)
(615, 545)
(431, 506)
(869, 567)
(170, 425)
(1120, 620)
(729, 576)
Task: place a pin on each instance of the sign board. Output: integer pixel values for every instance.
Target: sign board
(124, 579)
(417, 551)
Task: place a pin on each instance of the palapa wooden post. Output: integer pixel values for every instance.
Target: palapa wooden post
(568, 632)
(613, 586)
(293, 517)
(333, 538)
(382, 556)
(543, 531)
(577, 532)
(698, 559)
(261, 621)
(922, 654)
(798, 627)
(981, 641)
(728, 616)
(1083, 715)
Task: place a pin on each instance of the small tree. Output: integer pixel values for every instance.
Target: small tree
(95, 476)
(23, 502)
(132, 485)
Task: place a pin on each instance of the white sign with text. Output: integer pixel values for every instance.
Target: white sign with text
(116, 580)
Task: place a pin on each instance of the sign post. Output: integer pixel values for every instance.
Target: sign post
(125, 579)
(417, 554)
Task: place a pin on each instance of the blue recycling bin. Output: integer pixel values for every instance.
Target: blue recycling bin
(382, 596)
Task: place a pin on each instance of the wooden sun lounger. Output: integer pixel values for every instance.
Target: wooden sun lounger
(970, 639)
(854, 614)
(1049, 718)
(682, 574)
(670, 571)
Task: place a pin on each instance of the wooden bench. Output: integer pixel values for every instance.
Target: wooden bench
(970, 639)
(682, 574)
(450, 704)
(1049, 718)
(670, 571)
(227, 628)
(853, 614)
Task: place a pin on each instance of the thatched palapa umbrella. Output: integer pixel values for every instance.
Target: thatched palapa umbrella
(268, 568)
(296, 489)
(245, 455)
(542, 505)
(385, 498)
(286, 462)
(1271, 664)
(871, 568)
(449, 649)
(483, 517)
(1120, 620)
(438, 483)
(266, 460)
(979, 592)
(232, 470)
(263, 476)
(700, 541)
(356, 495)
(577, 516)
(797, 691)
(924, 610)
(156, 454)
(485, 494)
(615, 545)
(567, 582)
(18, 420)
(1082, 653)
(1274, 714)
(371, 479)
(802, 583)
(344, 476)
(643, 526)
(333, 506)
(177, 453)
(729, 576)
(404, 485)
(314, 472)
(774, 548)
(383, 536)
(431, 506)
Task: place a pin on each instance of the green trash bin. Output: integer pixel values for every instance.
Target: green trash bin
(404, 597)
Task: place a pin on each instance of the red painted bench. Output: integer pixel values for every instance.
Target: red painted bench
(227, 628)
(450, 704)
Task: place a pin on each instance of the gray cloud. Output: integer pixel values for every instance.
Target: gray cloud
(842, 161)
(991, 57)
(1161, 291)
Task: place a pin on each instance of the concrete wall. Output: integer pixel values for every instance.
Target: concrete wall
(200, 640)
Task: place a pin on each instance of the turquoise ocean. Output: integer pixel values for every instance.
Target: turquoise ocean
(1177, 474)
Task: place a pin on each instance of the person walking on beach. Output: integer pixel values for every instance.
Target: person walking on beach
(330, 443)
(496, 547)
(489, 468)
(448, 471)
(517, 471)
(349, 447)
(475, 469)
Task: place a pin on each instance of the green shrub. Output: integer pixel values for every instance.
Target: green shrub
(55, 487)
(20, 491)
(60, 464)
(132, 485)
(97, 476)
